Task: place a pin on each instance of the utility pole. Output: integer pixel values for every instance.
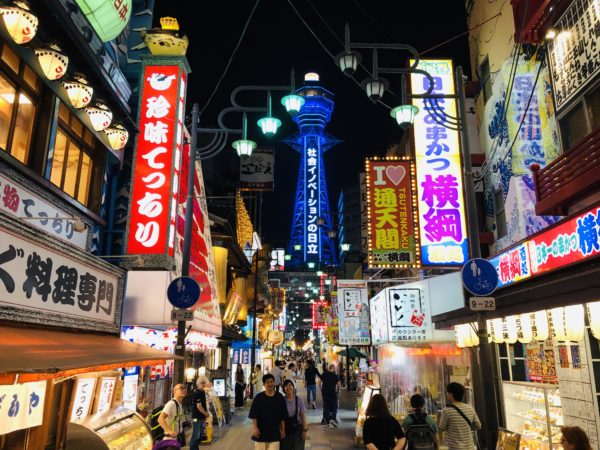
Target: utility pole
(254, 302)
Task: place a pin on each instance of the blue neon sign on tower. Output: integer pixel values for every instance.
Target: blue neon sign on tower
(312, 201)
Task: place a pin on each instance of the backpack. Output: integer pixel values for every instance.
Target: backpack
(157, 431)
(419, 435)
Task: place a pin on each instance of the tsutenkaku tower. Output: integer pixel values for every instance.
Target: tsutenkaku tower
(312, 216)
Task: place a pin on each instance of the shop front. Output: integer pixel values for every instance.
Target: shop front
(412, 356)
(545, 332)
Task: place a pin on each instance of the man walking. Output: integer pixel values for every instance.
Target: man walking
(458, 419)
(268, 413)
(171, 416)
(330, 386)
(277, 373)
(199, 414)
(310, 380)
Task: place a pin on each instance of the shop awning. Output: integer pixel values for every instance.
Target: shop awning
(34, 354)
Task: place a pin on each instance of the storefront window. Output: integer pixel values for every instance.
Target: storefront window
(76, 160)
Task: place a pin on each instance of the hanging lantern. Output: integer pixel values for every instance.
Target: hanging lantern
(117, 136)
(404, 115)
(244, 147)
(79, 91)
(496, 331)
(574, 322)
(20, 23)
(53, 63)
(594, 317)
(269, 126)
(542, 330)
(466, 335)
(100, 115)
(510, 323)
(292, 103)
(460, 336)
(525, 333)
(375, 88)
(558, 323)
(348, 61)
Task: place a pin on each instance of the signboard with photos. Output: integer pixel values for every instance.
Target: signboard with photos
(353, 312)
(392, 225)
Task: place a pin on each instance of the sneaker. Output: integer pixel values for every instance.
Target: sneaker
(323, 422)
(334, 423)
(314, 406)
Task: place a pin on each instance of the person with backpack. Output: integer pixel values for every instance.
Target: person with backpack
(458, 419)
(171, 416)
(295, 424)
(419, 428)
(381, 431)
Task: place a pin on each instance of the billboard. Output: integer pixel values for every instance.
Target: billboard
(442, 215)
(157, 160)
(353, 312)
(256, 170)
(392, 219)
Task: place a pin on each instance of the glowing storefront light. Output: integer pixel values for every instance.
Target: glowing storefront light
(442, 218)
(594, 318)
(542, 328)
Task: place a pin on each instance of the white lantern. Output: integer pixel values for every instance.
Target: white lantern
(53, 63)
(574, 322)
(497, 331)
(558, 323)
(525, 332)
(511, 329)
(79, 91)
(594, 317)
(100, 115)
(542, 330)
(20, 23)
(117, 136)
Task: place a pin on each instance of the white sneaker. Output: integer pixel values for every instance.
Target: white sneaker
(334, 423)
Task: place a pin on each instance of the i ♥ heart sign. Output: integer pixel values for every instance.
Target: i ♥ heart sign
(396, 174)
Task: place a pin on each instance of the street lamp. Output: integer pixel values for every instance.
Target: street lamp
(345, 247)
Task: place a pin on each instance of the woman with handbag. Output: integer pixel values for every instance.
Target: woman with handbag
(240, 386)
(295, 424)
(381, 431)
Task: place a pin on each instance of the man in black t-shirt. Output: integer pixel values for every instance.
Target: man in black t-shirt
(268, 413)
(310, 381)
(199, 413)
(330, 386)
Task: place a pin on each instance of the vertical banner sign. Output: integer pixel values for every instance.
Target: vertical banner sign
(21, 406)
(392, 221)
(105, 395)
(379, 318)
(364, 220)
(408, 313)
(353, 312)
(256, 170)
(82, 398)
(319, 315)
(312, 208)
(157, 161)
(442, 218)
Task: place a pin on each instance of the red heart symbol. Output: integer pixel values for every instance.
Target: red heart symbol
(396, 174)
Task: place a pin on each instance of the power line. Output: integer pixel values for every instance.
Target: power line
(230, 59)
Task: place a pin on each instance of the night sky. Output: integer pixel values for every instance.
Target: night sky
(277, 41)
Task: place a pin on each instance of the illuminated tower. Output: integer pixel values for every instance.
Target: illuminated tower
(312, 216)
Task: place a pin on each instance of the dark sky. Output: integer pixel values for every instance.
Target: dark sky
(277, 41)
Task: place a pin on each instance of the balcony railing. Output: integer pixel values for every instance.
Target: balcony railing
(568, 178)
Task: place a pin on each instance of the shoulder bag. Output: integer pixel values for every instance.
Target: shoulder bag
(458, 410)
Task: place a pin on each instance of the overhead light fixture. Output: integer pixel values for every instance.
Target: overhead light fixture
(269, 124)
(404, 115)
(100, 115)
(79, 91)
(20, 23)
(310, 264)
(297, 247)
(53, 63)
(244, 147)
(348, 61)
(287, 257)
(117, 136)
(375, 88)
(550, 34)
(345, 247)
(292, 103)
(320, 221)
(332, 234)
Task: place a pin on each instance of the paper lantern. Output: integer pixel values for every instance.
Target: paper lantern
(558, 324)
(100, 115)
(220, 256)
(20, 23)
(574, 322)
(542, 329)
(594, 317)
(53, 63)
(525, 332)
(511, 329)
(108, 18)
(79, 91)
(117, 136)
(497, 331)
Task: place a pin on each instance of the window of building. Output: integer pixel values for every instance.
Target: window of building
(19, 105)
(512, 362)
(581, 119)
(76, 162)
(485, 79)
(500, 214)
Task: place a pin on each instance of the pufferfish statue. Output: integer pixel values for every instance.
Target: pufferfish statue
(165, 41)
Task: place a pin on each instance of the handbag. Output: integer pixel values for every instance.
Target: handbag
(291, 423)
(458, 410)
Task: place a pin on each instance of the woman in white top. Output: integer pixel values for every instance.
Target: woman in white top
(288, 374)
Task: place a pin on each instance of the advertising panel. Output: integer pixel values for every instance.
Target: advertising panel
(155, 182)
(22, 406)
(408, 314)
(256, 170)
(379, 318)
(353, 312)
(392, 220)
(442, 216)
(319, 315)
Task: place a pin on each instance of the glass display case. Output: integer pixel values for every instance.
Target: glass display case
(115, 429)
(534, 411)
(362, 403)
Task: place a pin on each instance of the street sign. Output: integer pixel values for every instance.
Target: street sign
(482, 303)
(479, 277)
(185, 315)
(183, 292)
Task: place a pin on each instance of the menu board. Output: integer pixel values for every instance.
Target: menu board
(540, 362)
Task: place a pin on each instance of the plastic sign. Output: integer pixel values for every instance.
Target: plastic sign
(482, 303)
(479, 277)
(442, 217)
(392, 218)
(183, 292)
(157, 161)
(353, 312)
(319, 315)
(568, 242)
